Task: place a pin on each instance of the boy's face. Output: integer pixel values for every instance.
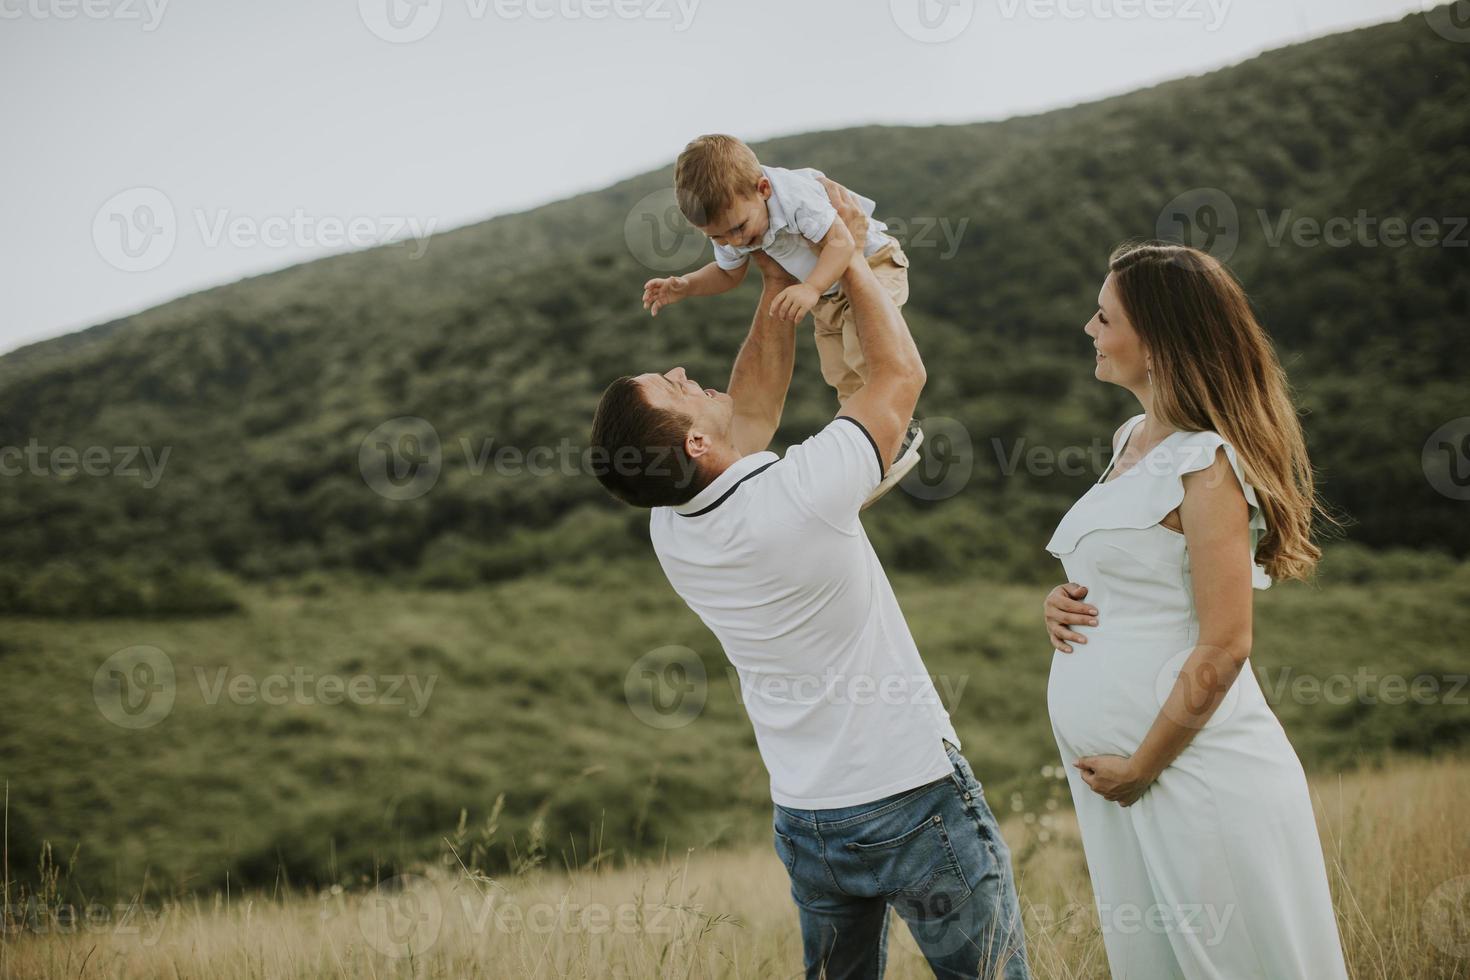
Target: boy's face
(745, 221)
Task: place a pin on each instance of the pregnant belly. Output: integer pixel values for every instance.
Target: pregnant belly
(1104, 696)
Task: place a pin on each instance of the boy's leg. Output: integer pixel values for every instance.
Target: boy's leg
(832, 319)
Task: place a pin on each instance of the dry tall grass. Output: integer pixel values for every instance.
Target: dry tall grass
(1396, 842)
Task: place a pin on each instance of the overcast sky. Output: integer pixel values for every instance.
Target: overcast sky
(153, 148)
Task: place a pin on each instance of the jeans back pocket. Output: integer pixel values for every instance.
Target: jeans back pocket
(917, 870)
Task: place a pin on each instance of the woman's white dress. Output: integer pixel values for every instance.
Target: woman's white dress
(1217, 870)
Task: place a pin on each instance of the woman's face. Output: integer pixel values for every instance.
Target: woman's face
(1121, 357)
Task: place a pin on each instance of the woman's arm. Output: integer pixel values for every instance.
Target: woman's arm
(1216, 524)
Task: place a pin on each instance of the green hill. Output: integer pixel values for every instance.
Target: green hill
(502, 334)
(275, 536)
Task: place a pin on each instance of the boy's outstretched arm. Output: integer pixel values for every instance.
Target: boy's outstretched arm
(762, 371)
(708, 281)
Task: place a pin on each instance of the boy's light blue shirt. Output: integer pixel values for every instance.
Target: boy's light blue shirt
(800, 216)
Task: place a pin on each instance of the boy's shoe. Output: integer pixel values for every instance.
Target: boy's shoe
(908, 458)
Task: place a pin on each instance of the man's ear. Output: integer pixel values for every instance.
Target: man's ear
(696, 444)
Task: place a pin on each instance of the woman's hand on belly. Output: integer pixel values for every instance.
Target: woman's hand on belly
(1115, 778)
(1064, 608)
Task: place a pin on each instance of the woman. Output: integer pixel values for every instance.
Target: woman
(1194, 810)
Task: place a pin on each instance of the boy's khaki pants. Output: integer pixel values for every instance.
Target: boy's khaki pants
(836, 330)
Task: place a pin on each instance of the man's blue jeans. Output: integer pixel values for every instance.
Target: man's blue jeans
(934, 853)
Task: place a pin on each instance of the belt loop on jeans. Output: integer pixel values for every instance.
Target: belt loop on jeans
(954, 773)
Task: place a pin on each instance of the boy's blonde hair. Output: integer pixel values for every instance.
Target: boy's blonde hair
(711, 173)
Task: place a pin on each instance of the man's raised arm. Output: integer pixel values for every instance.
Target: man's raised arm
(762, 371)
(885, 403)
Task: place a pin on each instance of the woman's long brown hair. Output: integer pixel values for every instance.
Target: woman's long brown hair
(1214, 369)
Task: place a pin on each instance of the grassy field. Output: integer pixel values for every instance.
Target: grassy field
(1394, 839)
(536, 692)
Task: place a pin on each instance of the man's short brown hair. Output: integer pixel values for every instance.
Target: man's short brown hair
(711, 173)
(638, 449)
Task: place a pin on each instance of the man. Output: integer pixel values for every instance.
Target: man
(874, 804)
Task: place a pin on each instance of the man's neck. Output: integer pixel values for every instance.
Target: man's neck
(712, 465)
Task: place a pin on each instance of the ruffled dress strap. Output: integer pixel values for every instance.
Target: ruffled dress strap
(1152, 488)
(1196, 451)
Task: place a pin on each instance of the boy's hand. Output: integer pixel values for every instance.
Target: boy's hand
(795, 302)
(658, 293)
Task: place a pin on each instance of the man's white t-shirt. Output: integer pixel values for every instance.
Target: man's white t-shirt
(800, 216)
(773, 558)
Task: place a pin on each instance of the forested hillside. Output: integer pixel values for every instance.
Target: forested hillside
(503, 334)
